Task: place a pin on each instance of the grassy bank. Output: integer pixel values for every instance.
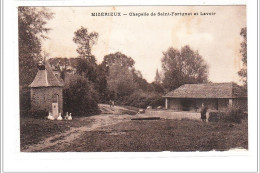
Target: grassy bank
(162, 135)
(33, 130)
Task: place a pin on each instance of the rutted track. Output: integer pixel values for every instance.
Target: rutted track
(59, 140)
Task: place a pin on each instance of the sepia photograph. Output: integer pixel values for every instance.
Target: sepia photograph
(133, 78)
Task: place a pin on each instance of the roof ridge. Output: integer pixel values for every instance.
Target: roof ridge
(46, 78)
(207, 90)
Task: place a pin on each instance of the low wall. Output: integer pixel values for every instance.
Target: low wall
(170, 114)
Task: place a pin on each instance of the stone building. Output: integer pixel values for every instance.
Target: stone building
(217, 96)
(46, 91)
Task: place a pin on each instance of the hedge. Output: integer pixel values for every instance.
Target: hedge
(232, 115)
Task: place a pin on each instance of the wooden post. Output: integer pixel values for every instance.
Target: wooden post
(166, 103)
(230, 103)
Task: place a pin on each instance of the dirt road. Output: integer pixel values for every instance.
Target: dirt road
(110, 116)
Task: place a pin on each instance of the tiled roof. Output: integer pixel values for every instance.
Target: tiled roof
(208, 90)
(45, 78)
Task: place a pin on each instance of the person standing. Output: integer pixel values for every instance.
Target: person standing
(113, 103)
(203, 112)
(110, 103)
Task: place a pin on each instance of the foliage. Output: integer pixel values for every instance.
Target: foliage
(31, 29)
(216, 116)
(243, 72)
(25, 102)
(140, 82)
(120, 81)
(101, 85)
(87, 67)
(125, 84)
(59, 61)
(142, 99)
(157, 87)
(79, 95)
(116, 73)
(38, 114)
(86, 64)
(232, 115)
(85, 41)
(183, 67)
(119, 59)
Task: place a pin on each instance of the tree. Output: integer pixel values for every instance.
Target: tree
(157, 87)
(183, 67)
(101, 84)
(243, 72)
(85, 41)
(119, 59)
(120, 81)
(80, 98)
(141, 83)
(119, 74)
(87, 67)
(31, 30)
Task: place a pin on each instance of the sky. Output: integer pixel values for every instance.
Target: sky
(216, 37)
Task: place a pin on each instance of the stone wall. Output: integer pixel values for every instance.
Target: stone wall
(42, 98)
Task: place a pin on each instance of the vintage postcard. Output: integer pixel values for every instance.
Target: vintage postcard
(133, 78)
(127, 79)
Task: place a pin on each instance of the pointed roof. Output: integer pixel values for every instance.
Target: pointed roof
(45, 78)
(157, 77)
(208, 90)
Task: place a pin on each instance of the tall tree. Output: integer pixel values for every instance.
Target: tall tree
(141, 83)
(85, 41)
(182, 67)
(31, 30)
(119, 59)
(243, 72)
(120, 74)
(120, 81)
(86, 66)
(101, 84)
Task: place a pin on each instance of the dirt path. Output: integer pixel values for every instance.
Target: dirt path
(109, 116)
(59, 140)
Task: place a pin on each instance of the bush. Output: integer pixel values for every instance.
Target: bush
(232, 115)
(38, 114)
(216, 116)
(142, 100)
(25, 101)
(80, 98)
